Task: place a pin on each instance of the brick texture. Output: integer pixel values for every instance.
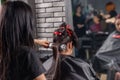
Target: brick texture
(38, 1)
(49, 15)
(44, 15)
(54, 9)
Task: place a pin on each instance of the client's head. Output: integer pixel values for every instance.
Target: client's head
(97, 19)
(65, 37)
(110, 6)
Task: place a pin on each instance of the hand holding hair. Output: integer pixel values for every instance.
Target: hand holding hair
(111, 20)
(43, 43)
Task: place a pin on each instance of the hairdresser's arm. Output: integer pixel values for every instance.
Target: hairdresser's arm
(106, 16)
(41, 77)
(43, 43)
(111, 20)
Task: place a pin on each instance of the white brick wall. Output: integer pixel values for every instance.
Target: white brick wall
(49, 15)
(44, 15)
(52, 0)
(54, 19)
(45, 35)
(45, 25)
(59, 14)
(43, 5)
(40, 20)
(54, 9)
(58, 4)
(40, 10)
(38, 1)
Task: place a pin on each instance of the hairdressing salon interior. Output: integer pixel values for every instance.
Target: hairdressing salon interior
(93, 28)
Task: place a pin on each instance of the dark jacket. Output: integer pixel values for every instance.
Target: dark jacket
(79, 20)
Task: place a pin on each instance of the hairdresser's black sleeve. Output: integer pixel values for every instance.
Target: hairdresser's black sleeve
(113, 14)
(34, 64)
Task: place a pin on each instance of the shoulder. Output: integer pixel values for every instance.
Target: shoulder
(72, 60)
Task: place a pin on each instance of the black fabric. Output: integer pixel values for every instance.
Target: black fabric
(110, 28)
(113, 13)
(72, 68)
(76, 69)
(79, 20)
(108, 55)
(26, 65)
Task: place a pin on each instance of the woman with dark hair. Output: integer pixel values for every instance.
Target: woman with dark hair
(110, 8)
(64, 65)
(79, 22)
(19, 60)
(79, 28)
(96, 27)
(111, 12)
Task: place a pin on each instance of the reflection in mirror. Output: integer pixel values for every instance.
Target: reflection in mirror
(89, 22)
(96, 24)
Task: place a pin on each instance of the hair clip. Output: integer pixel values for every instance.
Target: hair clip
(116, 36)
(69, 32)
(68, 26)
(57, 33)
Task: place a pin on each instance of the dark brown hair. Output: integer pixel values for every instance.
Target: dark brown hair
(66, 35)
(110, 6)
(77, 6)
(63, 35)
(16, 29)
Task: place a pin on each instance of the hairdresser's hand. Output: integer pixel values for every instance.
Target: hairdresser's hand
(43, 43)
(102, 14)
(69, 50)
(111, 20)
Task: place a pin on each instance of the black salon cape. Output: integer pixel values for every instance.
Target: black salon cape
(108, 55)
(76, 69)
